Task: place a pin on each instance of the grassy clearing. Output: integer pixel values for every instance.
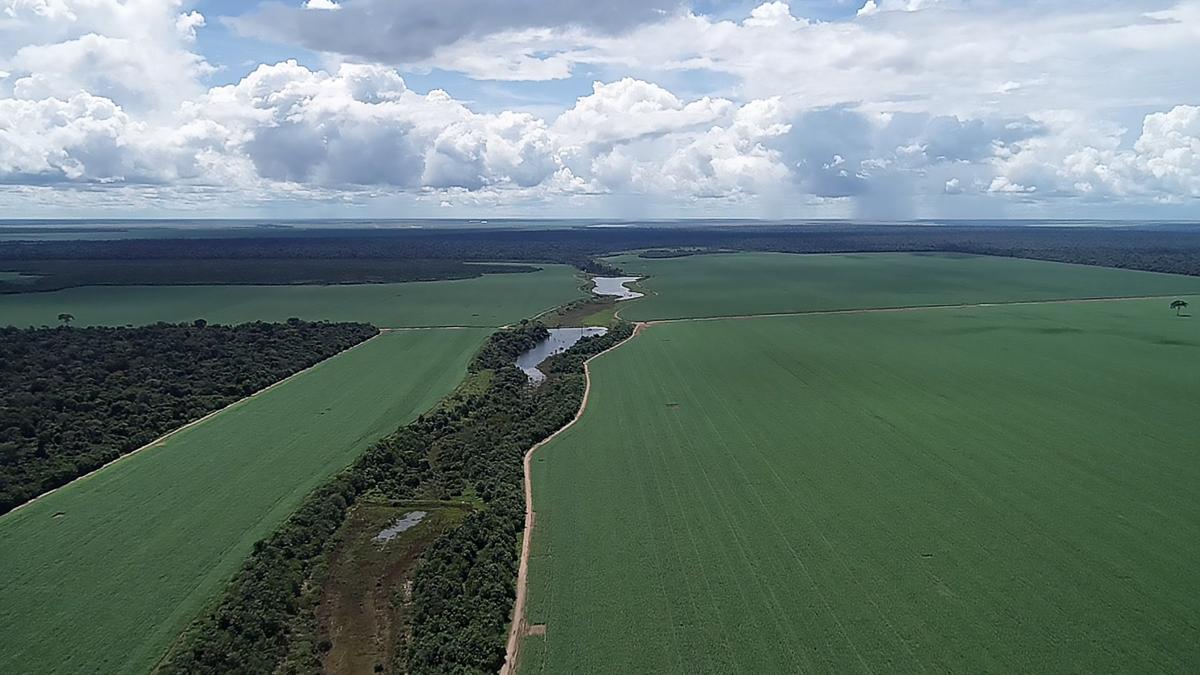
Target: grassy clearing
(765, 283)
(1001, 489)
(104, 573)
(363, 597)
(491, 300)
(593, 311)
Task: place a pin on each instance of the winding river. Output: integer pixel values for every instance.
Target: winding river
(560, 340)
(615, 286)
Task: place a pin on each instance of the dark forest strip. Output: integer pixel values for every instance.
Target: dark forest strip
(1162, 248)
(464, 587)
(53, 275)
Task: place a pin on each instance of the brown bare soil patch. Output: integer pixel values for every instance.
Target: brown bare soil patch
(368, 587)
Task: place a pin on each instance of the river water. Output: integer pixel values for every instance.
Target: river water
(560, 340)
(615, 286)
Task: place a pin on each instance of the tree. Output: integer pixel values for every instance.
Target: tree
(1179, 306)
(66, 319)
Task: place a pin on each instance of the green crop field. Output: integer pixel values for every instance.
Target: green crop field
(490, 300)
(996, 489)
(101, 575)
(764, 283)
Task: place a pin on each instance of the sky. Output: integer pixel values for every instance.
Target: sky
(874, 109)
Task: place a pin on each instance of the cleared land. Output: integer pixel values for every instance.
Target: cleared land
(768, 283)
(1000, 489)
(365, 594)
(491, 300)
(102, 574)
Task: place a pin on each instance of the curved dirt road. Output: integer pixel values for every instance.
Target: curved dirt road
(519, 627)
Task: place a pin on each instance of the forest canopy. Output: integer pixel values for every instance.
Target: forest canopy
(366, 256)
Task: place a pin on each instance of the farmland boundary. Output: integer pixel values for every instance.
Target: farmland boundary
(196, 422)
(519, 626)
(913, 308)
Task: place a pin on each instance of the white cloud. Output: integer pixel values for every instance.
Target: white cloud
(770, 14)
(1083, 158)
(1169, 151)
(872, 7)
(630, 109)
(97, 94)
(136, 52)
(187, 24)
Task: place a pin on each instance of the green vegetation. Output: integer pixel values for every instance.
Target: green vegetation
(104, 573)
(72, 400)
(462, 592)
(595, 311)
(491, 300)
(362, 613)
(997, 489)
(764, 283)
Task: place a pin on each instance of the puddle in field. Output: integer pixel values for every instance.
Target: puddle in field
(615, 286)
(560, 340)
(407, 522)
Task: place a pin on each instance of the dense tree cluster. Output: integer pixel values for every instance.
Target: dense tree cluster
(464, 588)
(72, 399)
(371, 255)
(504, 347)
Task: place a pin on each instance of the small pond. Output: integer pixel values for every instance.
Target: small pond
(409, 521)
(560, 340)
(615, 286)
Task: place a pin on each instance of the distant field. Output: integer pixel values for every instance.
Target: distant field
(491, 300)
(102, 575)
(763, 283)
(1000, 489)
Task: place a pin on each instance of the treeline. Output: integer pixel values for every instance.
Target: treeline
(293, 256)
(49, 275)
(73, 399)
(464, 587)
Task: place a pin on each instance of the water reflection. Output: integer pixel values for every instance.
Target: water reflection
(560, 340)
(615, 286)
(409, 521)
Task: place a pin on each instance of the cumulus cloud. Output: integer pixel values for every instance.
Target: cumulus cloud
(362, 125)
(90, 140)
(136, 52)
(100, 94)
(1088, 159)
(631, 109)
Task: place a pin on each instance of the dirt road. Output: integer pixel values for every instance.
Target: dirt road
(519, 627)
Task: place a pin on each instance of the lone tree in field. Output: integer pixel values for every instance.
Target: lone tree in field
(1179, 306)
(66, 319)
